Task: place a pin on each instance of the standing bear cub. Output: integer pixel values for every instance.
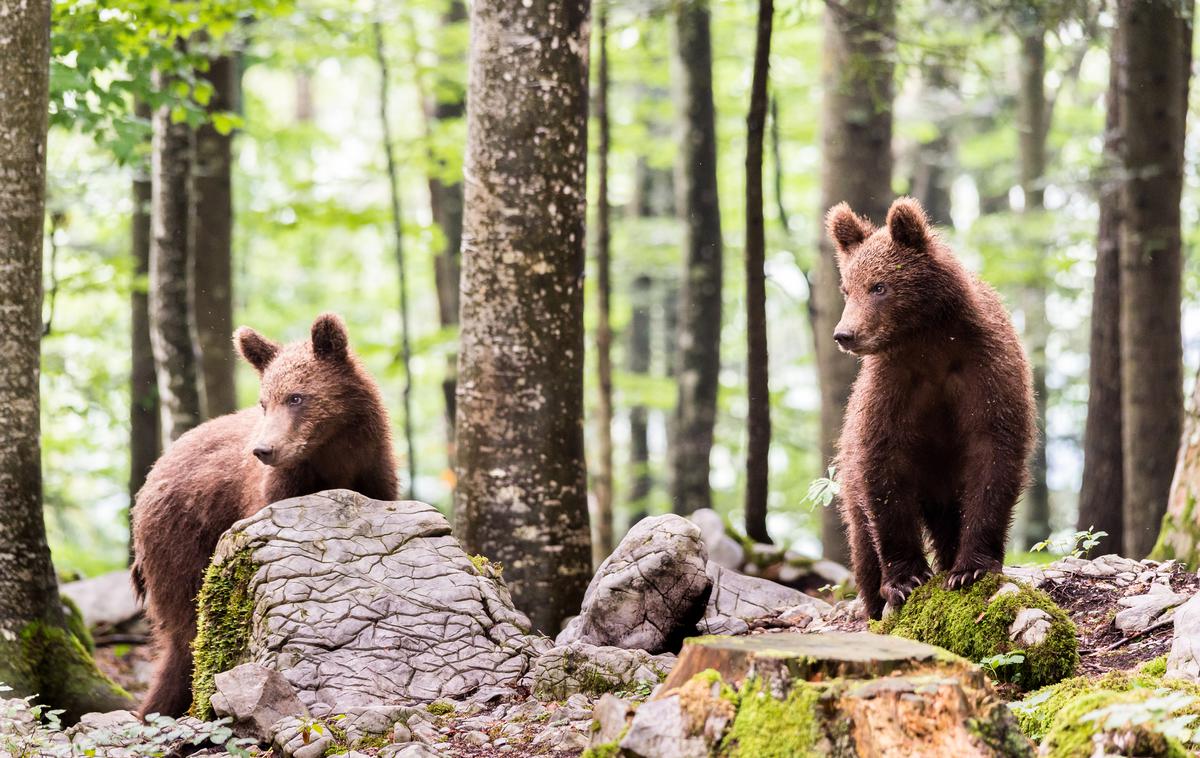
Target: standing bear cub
(941, 418)
(321, 425)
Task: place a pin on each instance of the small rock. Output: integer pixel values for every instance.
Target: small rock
(411, 750)
(1183, 662)
(526, 711)
(1141, 611)
(610, 715)
(476, 738)
(831, 571)
(296, 738)
(740, 597)
(1030, 627)
(425, 732)
(106, 720)
(401, 733)
(255, 697)
(1007, 588)
(659, 730)
(568, 671)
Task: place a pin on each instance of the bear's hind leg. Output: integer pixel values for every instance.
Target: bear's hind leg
(170, 693)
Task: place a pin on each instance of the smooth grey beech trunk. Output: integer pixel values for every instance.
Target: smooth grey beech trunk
(172, 334)
(521, 497)
(1156, 48)
(37, 654)
(698, 360)
(856, 156)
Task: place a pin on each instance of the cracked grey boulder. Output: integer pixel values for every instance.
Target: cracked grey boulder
(255, 697)
(579, 667)
(649, 593)
(360, 602)
(736, 598)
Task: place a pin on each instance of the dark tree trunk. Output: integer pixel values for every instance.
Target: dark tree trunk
(398, 245)
(1156, 60)
(637, 353)
(522, 481)
(171, 329)
(856, 140)
(446, 201)
(145, 429)
(758, 420)
(1033, 124)
(933, 173)
(602, 529)
(1101, 492)
(211, 227)
(38, 656)
(699, 336)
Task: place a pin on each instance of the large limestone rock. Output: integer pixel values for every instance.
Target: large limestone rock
(1183, 662)
(580, 667)
(106, 600)
(357, 602)
(649, 593)
(845, 694)
(736, 599)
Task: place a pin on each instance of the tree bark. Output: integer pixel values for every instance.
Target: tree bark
(38, 656)
(637, 354)
(1032, 118)
(856, 140)
(758, 395)
(602, 527)
(398, 244)
(446, 204)
(145, 432)
(934, 170)
(172, 335)
(699, 335)
(211, 227)
(522, 482)
(1100, 493)
(1156, 60)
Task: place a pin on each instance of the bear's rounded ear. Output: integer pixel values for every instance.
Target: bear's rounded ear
(907, 223)
(846, 229)
(329, 338)
(255, 348)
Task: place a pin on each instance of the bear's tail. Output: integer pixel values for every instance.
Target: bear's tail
(138, 581)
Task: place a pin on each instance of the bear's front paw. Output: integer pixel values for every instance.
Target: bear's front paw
(895, 591)
(962, 577)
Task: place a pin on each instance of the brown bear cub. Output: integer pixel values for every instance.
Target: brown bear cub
(941, 418)
(321, 425)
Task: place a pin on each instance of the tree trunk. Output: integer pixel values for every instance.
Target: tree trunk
(211, 227)
(758, 395)
(38, 656)
(1101, 491)
(446, 204)
(145, 432)
(934, 170)
(699, 335)
(1032, 117)
(1156, 61)
(856, 139)
(522, 481)
(637, 354)
(602, 528)
(171, 329)
(398, 244)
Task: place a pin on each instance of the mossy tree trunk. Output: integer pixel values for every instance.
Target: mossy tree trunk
(1156, 49)
(521, 498)
(38, 655)
(698, 362)
(856, 154)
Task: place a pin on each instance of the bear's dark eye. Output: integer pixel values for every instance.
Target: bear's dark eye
(263, 404)
(877, 289)
(294, 399)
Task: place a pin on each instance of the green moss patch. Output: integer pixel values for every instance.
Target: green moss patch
(766, 727)
(974, 623)
(1076, 730)
(76, 624)
(225, 616)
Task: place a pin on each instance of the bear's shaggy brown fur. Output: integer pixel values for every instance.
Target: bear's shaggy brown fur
(940, 422)
(321, 425)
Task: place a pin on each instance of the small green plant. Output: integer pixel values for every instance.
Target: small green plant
(994, 665)
(823, 490)
(1078, 545)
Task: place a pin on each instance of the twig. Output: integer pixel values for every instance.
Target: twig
(104, 640)
(1125, 640)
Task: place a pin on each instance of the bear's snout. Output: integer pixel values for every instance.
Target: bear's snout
(844, 338)
(265, 453)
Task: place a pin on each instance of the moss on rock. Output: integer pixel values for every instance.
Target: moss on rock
(1073, 734)
(224, 620)
(1038, 713)
(76, 624)
(974, 623)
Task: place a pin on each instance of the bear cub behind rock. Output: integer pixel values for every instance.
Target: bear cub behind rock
(321, 425)
(940, 421)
